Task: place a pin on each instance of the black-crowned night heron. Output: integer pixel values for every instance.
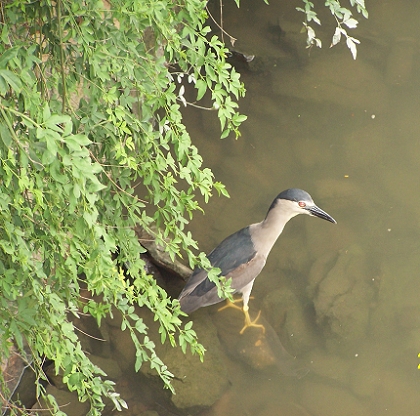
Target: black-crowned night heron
(242, 255)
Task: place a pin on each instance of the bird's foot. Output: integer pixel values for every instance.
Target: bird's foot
(249, 323)
(230, 304)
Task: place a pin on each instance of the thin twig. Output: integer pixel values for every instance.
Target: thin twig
(221, 19)
(115, 184)
(12, 132)
(232, 39)
(198, 106)
(88, 335)
(63, 75)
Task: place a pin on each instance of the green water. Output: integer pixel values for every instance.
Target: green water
(348, 132)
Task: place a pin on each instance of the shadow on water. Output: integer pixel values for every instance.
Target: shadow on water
(345, 299)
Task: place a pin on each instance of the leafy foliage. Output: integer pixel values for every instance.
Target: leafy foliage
(343, 17)
(89, 112)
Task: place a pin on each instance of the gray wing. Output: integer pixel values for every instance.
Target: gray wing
(236, 257)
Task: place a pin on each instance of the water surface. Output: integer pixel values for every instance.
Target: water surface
(345, 299)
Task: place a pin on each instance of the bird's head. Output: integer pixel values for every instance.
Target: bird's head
(296, 201)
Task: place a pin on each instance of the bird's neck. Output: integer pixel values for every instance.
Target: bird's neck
(267, 231)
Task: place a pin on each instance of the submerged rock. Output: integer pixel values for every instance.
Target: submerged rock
(286, 315)
(19, 379)
(257, 349)
(68, 402)
(343, 295)
(198, 385)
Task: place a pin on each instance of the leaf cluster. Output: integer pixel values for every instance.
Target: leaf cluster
(342, 16)
(92, 146)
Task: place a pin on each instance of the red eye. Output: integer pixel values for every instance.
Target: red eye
(302, 204)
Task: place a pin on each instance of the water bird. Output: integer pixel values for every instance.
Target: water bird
(243, 255)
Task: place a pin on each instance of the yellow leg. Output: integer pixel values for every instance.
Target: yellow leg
(230, 304)
(244, 309)
(249, 323)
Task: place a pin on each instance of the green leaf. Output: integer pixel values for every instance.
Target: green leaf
(51, 138)
(225, 134)
(48, 157)
(5, 135)
(201, 88)
(46, 112)
(53, 121)
(3, 87)
(8, 54)
(11, 79)
(56, 172)
(81, 139)
(5, 39)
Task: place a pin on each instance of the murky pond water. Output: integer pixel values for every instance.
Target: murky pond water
(340, 303)
(344, 299)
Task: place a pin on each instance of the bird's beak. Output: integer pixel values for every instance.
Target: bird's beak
(318, 212)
